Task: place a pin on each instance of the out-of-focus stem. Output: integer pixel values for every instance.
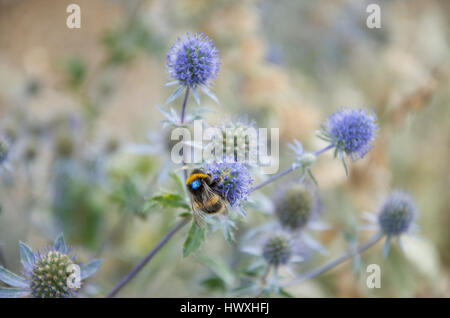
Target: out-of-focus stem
(318, 271)
(147, 258)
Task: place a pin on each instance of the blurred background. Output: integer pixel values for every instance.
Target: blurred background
(71, 100)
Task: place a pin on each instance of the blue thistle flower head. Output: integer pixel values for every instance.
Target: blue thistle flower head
(351, 131)
(193, 61)
(397, 213)
(236, 180)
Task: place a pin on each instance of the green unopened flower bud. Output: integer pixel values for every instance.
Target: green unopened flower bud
(50, 276)
(295, 205)
(277, 250)
(307, 159)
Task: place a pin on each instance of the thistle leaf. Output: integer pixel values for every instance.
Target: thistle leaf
(170, 200)
(90, 268)
(196, 97)
(12, 279)
(209, 93)
(13, 292)
(27, 257)
(171, 83)
(60, 244)
(312, 176)
(175, 94)
(194, 240)
(343, 163)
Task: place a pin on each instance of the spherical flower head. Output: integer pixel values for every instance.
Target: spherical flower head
(397, 213)
(277, 250)
(236, 180)
(49, 276)
(296, 204)
(352, 131)
(193, 61)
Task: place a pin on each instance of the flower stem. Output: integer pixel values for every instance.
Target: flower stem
(318, 152)
(186, 220)
(147, 258)
(273, 178)
(166, 237)
(288, 170)
(316, 272)
(183, 108)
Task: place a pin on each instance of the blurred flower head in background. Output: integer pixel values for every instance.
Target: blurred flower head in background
(296, 205)
(398, 213)
(277, 250)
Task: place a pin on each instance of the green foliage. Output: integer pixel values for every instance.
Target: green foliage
(76, 71)
(78, 203)
(214, 283)
(123, 43)
(129, 197)
(194, 239)
(169, 200)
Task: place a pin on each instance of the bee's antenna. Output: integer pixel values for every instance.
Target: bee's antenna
(185, 167)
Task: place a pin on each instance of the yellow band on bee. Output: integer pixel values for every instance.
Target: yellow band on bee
(194, 176)
(212, 200)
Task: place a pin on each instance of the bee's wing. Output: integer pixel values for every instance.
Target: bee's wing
(199, 216)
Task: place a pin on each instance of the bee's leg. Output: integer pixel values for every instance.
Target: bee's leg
(225, 211)
(216, 181)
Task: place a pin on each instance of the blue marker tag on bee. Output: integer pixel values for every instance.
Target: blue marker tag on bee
(195, 184)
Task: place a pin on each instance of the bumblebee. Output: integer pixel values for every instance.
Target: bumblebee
(206, 198)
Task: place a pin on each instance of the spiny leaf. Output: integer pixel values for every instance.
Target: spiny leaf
(90, 268)
(12, 279)
(13, 292)
(194, 240)
(196, 97)
(343, 163)
(214, 283)
(209, 93)
(312, 176)
(170, 200)
(60, 244)
(27, 257)
(175, 94)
